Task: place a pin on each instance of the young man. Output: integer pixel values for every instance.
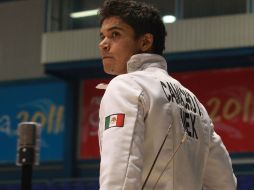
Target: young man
(153, 133)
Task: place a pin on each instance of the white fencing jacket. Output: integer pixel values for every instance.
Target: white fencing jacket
(137, 111)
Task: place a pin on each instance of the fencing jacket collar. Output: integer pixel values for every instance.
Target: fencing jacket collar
(142, 61)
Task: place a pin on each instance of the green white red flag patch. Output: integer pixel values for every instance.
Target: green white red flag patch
(114, 120)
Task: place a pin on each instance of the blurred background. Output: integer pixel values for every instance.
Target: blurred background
(50, 65)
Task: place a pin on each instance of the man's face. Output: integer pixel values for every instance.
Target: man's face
(117, 45)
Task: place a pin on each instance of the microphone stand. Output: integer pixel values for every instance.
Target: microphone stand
(26, 159)
(26, 177)
(28, 151)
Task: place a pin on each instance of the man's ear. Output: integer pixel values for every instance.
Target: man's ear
(146, 42)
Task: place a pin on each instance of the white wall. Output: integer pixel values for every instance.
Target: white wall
(220, 32)
(21, 28)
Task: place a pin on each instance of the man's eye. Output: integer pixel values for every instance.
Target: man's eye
(114, 34)
(102, 37)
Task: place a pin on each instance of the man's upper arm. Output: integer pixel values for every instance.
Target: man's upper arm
(121, 140)
(218, 172)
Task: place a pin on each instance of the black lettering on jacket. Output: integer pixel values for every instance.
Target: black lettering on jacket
(188, 121)
(180, 96)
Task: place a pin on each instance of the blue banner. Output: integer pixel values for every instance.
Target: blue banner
(41, 101)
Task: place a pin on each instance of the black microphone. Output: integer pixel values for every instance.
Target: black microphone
(28, 146)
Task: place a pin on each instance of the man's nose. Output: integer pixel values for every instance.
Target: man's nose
(104, 44)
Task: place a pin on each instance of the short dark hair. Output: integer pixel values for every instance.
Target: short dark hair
(142, 17)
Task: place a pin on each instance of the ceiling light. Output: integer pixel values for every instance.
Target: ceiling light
(87, 13)
(169, 19)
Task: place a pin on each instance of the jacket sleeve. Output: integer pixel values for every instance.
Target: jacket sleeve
(121, 146)
(218, 172)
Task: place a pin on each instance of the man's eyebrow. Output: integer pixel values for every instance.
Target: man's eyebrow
(112, 28)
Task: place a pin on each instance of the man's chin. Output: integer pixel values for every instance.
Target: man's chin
(109, 71)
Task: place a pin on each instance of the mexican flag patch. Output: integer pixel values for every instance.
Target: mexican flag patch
(114, 120)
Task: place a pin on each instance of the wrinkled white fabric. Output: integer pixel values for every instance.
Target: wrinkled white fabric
(152, 101)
